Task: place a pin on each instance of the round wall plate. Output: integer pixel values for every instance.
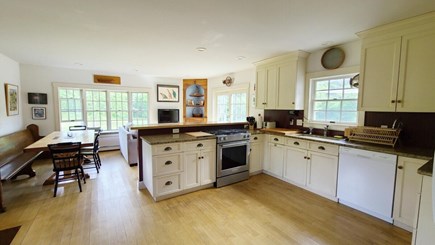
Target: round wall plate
(332, 58)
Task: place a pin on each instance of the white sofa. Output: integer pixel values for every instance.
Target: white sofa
(128, 145)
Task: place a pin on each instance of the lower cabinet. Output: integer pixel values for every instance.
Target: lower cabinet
(177, 168)
(276, 159)
(322, 174)
(425, 230)
(296, 166)
(408, 187)
(256, 155)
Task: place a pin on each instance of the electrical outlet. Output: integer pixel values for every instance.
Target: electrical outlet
(175, 130)
(299, 122)
(291, 122)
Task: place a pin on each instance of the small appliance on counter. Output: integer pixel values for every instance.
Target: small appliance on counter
(269, 124)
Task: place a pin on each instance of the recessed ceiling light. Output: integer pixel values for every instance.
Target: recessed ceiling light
(241, 57)
(201, 49)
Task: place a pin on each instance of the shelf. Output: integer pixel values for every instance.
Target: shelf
(194, 105)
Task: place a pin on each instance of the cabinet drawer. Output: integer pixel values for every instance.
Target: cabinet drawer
(277, 139)
(166, 148)
(167, 184)
(324, 148)
(167, 164)
(298, 143)
(257, 138)
(199, 145)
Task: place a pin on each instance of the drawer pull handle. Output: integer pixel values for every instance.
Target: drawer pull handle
(400, 167)
(255, 138)
(276, 139)
(264, 103)
(199, 145)
(168, 183)
(168, 162)
(168, 148)
(321, 148)
(296, 143)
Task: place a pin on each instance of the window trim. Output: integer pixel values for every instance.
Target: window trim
(244, 87)
(308, 96)
(107, 88)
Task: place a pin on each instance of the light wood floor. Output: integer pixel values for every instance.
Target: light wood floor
(111, 210)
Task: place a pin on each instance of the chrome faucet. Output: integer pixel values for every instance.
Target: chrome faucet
(310, 130)
(325, 130)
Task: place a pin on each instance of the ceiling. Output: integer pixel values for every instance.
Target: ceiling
(160, 37)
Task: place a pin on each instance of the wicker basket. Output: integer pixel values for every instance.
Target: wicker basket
(383, 136)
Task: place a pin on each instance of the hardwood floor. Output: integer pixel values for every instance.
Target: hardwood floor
(111, 210)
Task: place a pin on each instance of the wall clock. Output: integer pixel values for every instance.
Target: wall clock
(332, 58)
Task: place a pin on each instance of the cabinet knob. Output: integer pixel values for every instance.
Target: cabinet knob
(400, 167)
(276, 139)
(168, 149)
(168, 183)
(199, 145)
(255, 138)
(399, 101)
(168, 162)
(305, 157)
(321, 148)
(264, 103)
(308, 158)
(296, 143)
(293, 103)
(393, 101)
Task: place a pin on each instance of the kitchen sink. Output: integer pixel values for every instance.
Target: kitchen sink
(316, 137)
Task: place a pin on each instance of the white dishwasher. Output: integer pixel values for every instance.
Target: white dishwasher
(366, 181)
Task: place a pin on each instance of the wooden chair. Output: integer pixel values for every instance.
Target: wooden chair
(66, 157)
(93, 151)
(77, 127)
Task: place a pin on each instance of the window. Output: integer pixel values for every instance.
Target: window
(100, 107)
(232, 106)
(333, 100)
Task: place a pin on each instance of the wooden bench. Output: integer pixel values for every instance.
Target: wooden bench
(13, 161)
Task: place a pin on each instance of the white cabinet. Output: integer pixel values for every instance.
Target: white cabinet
(175, 168)
(280, 82)
(296, 166)
(322, 174)
(396, 67)
(274, 163)
(256, 154)
(408, 186)
(425, 234)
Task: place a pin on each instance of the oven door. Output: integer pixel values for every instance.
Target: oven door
(232, 157)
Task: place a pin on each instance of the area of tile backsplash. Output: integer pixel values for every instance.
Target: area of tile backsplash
(418, 128)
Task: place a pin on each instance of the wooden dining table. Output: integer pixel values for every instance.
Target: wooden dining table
(85, 137)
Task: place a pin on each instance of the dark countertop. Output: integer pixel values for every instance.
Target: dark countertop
(426, 169)
(186, 125)
(172, 138)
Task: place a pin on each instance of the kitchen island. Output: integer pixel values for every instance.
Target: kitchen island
(177, 128)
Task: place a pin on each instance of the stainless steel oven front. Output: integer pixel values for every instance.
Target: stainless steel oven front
(232, 162)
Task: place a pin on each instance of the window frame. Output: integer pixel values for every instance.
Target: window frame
(107, 89)
(308, 122)
(244, 88)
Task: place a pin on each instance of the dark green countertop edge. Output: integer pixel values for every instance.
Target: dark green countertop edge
(426, 169)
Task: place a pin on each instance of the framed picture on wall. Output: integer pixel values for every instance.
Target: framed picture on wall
(37, 98)
(168, 93)
(12, 99)
(38, 113)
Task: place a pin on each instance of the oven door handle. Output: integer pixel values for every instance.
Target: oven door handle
(232, 144)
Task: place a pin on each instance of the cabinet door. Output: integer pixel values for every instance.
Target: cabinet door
(379, 75)
(286, 84)
(261, 86)
(426, 225)
(208, 167)
(191, 169)
(276, 159)
(295, 169)
(417, 73)
(322, 173)
(256, 157)
(271, 96)
(408, 186)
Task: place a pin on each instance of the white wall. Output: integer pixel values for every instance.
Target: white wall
(244, 78)
(352, 51)
(10, 73)
(39, 79)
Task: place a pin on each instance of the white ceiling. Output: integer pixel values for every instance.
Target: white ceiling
(160, 37)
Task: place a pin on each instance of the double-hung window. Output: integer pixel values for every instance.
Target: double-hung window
(232, 106)
(333, 100)
(101, 107)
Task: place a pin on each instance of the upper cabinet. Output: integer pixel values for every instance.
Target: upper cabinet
(280, 82)
(195, 100)
(397, 71)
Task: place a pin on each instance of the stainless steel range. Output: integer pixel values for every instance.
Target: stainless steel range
(232, 156)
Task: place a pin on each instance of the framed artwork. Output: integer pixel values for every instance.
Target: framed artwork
(168, 93)
(37, 98)
(38, 113)
(12, 99)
